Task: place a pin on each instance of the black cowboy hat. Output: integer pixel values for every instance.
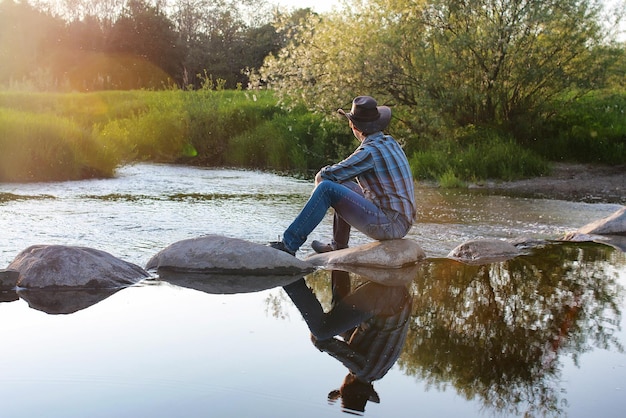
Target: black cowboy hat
(367, 116)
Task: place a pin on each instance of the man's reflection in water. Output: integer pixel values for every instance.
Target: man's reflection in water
(365, 330)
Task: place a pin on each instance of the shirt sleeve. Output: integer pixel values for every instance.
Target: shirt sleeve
(357, 163)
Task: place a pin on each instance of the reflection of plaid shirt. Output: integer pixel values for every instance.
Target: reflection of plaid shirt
(375, 345)
(383, 172)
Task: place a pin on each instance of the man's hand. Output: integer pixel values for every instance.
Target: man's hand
(318, 178)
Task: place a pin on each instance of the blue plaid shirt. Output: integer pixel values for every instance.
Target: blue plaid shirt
(381, 168)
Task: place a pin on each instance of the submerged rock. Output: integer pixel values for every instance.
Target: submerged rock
(394, 253)
(484, 251)
(43, 266)
(223, 255)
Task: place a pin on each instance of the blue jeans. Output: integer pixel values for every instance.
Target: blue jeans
(352, 209)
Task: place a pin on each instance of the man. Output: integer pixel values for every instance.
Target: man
(365, 329)
(371, 190)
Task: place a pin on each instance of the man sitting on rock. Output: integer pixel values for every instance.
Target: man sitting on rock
(371, 190)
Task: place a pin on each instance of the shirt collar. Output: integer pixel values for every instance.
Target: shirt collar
(373, 137)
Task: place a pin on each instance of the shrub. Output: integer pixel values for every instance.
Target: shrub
(476, 154)
(589, 129)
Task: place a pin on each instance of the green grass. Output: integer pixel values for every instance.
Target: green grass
(45, 147)
(50, 136)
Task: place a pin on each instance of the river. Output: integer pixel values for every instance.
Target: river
(541, 335)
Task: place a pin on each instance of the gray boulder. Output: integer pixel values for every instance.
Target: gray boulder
(223, 255)
(378, 254)
(484, 251)
(42, 266)
(614, 224)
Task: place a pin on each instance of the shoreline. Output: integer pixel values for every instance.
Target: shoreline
(568, 181)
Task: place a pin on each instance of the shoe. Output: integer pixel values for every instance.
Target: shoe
(319, 247)
(279, 245)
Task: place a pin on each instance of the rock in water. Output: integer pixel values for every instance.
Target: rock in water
(223, 255)
(393, 253)
(614, 224)
(43, 266)
(484, 251)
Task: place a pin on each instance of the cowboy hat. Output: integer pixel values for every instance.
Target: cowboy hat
(366, 115)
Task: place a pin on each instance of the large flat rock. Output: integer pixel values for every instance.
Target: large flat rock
(378, 254)
(224, 255)
(615, 241)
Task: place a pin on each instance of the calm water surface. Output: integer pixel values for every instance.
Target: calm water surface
(541, 334)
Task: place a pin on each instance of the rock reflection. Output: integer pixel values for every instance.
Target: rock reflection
(365, 328)
(225, 284)
(63, 301)
(495, 332)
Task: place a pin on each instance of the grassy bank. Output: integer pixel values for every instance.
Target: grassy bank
(46, 136)
(71, 136)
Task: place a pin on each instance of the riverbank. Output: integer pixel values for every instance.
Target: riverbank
(572, 182)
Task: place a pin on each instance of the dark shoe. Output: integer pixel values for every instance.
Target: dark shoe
(279, 245)
(318, 247)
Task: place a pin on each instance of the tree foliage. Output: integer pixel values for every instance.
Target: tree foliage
(446, 62)
(122, 44)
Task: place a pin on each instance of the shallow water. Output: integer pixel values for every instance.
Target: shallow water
(542, 334)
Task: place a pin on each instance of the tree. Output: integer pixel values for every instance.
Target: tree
(454, 62)
(216, 39)
(26, 37)
(145, 31)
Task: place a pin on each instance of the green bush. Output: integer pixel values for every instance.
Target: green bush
(588, 129)
(476, 155)
(157, 132)
(298, 141)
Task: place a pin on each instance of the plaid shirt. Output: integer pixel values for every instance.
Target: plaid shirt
(382, 170)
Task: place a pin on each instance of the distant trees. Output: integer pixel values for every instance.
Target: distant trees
(143, 30)
(120, 44)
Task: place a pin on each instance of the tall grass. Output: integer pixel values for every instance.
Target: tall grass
(71, 136)
(297, 140)
(47, 136)
(476, 155)
(44, 147)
